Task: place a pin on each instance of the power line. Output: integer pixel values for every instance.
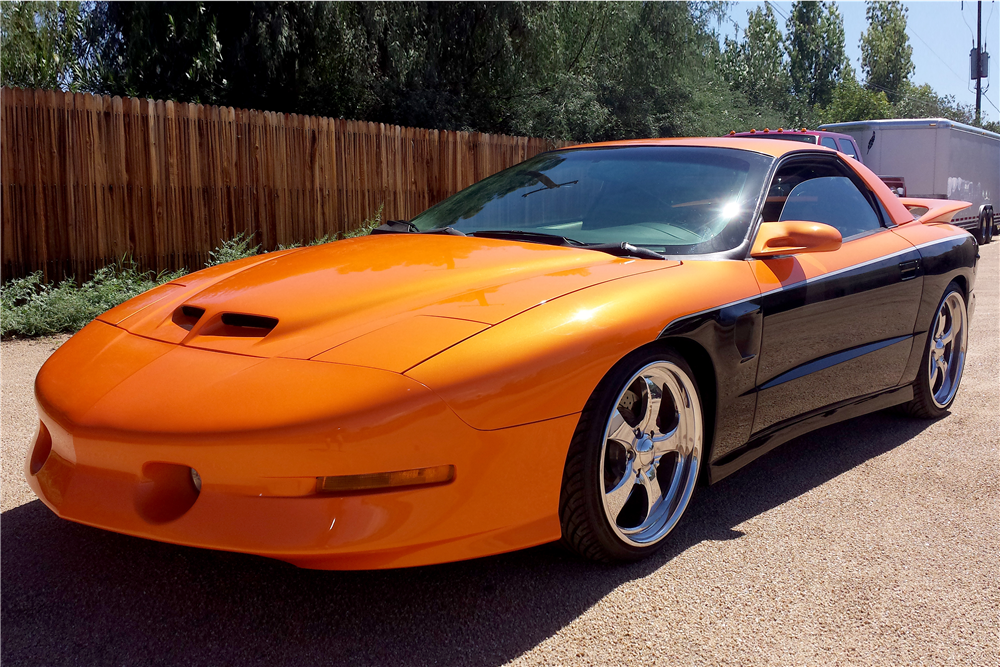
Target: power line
(991, 102)
(775, 8)
(914, 32)
(961, 9)
(895, 92)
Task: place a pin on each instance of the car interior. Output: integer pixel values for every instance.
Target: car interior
(819, 191)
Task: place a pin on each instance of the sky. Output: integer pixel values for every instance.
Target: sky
(941, 41)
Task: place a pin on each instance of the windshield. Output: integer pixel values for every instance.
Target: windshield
(672, 199)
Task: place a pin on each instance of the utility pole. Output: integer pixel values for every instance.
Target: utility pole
(979, 63)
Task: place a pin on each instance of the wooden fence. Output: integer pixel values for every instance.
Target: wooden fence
(88, 179)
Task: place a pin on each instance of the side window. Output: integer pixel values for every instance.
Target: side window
(847, 147)
(819, 190)
(830, 143)
(833, 200)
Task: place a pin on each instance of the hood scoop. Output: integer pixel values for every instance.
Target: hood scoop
(187, 316)
(220, 326)
(239, 324)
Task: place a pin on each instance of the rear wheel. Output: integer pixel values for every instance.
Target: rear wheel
(634, 460)
(944, 358)
(984, 233)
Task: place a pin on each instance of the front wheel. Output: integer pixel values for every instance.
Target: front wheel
(634, 460)
(944, 358)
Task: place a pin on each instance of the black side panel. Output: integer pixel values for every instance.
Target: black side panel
(864, 306)
(731, 336)
(877, 367)
(941, 263)
(782, 433)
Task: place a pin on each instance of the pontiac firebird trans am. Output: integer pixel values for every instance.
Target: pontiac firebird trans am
(560, 351)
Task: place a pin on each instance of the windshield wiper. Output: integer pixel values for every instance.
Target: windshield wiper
(617, 249)
(395, 227)
(546, 181)
(531, 237)
(407, 227)
(625, 250)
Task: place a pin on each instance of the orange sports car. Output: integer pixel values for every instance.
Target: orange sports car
(560, 351)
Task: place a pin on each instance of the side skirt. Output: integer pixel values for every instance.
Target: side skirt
(782, 433)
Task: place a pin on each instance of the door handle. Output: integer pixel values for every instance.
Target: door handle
(908, 269)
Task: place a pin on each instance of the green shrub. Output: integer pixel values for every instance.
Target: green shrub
(29, 307)
(367, 226)
(235, 248)
(364, 230)
(326, 238)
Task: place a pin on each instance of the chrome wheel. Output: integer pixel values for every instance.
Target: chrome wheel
(652, 448)
(949, 337)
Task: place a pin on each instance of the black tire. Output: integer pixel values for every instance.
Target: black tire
(934, 393)
(984, 232)
(596, 461)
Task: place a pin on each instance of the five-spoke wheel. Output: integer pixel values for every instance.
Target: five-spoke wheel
(947, 349)
(635, 459)
(944, 357)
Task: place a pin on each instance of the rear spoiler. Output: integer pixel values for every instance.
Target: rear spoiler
(933, 210)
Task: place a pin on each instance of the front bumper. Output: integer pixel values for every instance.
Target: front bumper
(108, 453)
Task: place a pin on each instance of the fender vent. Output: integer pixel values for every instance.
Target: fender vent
(186, 316)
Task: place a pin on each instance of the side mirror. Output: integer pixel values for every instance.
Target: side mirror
(793, 237)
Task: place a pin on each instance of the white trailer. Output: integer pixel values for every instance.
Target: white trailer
(938, 159)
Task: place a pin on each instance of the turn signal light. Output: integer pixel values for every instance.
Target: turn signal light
(386, 480)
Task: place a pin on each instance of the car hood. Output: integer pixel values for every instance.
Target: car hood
(386, 301)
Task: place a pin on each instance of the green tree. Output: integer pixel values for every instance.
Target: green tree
(851, 101)
(756, 65)
(159, 50)
(814, 40)
(607, 70)
(41, 45)
(922, 102)
(885, 49)
(451, 65)
(564, 70)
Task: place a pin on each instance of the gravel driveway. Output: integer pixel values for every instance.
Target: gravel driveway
(871, 542)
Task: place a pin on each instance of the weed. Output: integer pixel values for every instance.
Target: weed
(235, 248)
(367, 226)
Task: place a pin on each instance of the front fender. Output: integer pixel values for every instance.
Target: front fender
(545, 362)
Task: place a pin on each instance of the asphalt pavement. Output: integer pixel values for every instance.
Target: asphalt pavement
(870, 542)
